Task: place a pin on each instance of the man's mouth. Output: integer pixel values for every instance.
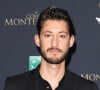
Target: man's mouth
(54, 50)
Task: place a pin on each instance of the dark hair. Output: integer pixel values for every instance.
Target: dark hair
(54, 13)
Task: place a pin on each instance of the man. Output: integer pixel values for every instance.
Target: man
(56, 35)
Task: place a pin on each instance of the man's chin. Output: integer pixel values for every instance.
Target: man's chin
(54, 61)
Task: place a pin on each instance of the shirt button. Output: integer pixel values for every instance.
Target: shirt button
(47, 87)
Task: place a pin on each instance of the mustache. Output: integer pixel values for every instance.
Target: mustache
(52, 48)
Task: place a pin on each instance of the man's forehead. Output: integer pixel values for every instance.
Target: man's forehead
(55, 26)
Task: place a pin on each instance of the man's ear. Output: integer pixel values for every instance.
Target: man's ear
(37, 40)
(72, 40)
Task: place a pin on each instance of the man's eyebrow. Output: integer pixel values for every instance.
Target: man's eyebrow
(64, 32)
(47, 32)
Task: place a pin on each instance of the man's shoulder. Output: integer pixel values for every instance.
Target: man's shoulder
(22, 81)
(78, 81)
(76, 77)
(24, 75)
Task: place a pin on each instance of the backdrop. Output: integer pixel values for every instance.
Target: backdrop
(17, 28)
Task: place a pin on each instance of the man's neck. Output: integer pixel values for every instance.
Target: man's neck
(52, 73)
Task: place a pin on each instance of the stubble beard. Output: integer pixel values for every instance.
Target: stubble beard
(52, 60)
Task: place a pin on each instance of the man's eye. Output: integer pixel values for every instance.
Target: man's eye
(62, 36)
(47, 35)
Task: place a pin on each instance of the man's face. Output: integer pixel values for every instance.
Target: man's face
(54, 41)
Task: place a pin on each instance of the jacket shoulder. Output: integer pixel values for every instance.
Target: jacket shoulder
(82, 83)
(22, 75)
(21, 81)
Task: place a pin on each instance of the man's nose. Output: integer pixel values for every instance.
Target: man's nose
(54, 41)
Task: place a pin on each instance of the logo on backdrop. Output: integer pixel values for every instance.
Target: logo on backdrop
(98, 18)
(29, 19)
(34, 61)
(92, 76)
